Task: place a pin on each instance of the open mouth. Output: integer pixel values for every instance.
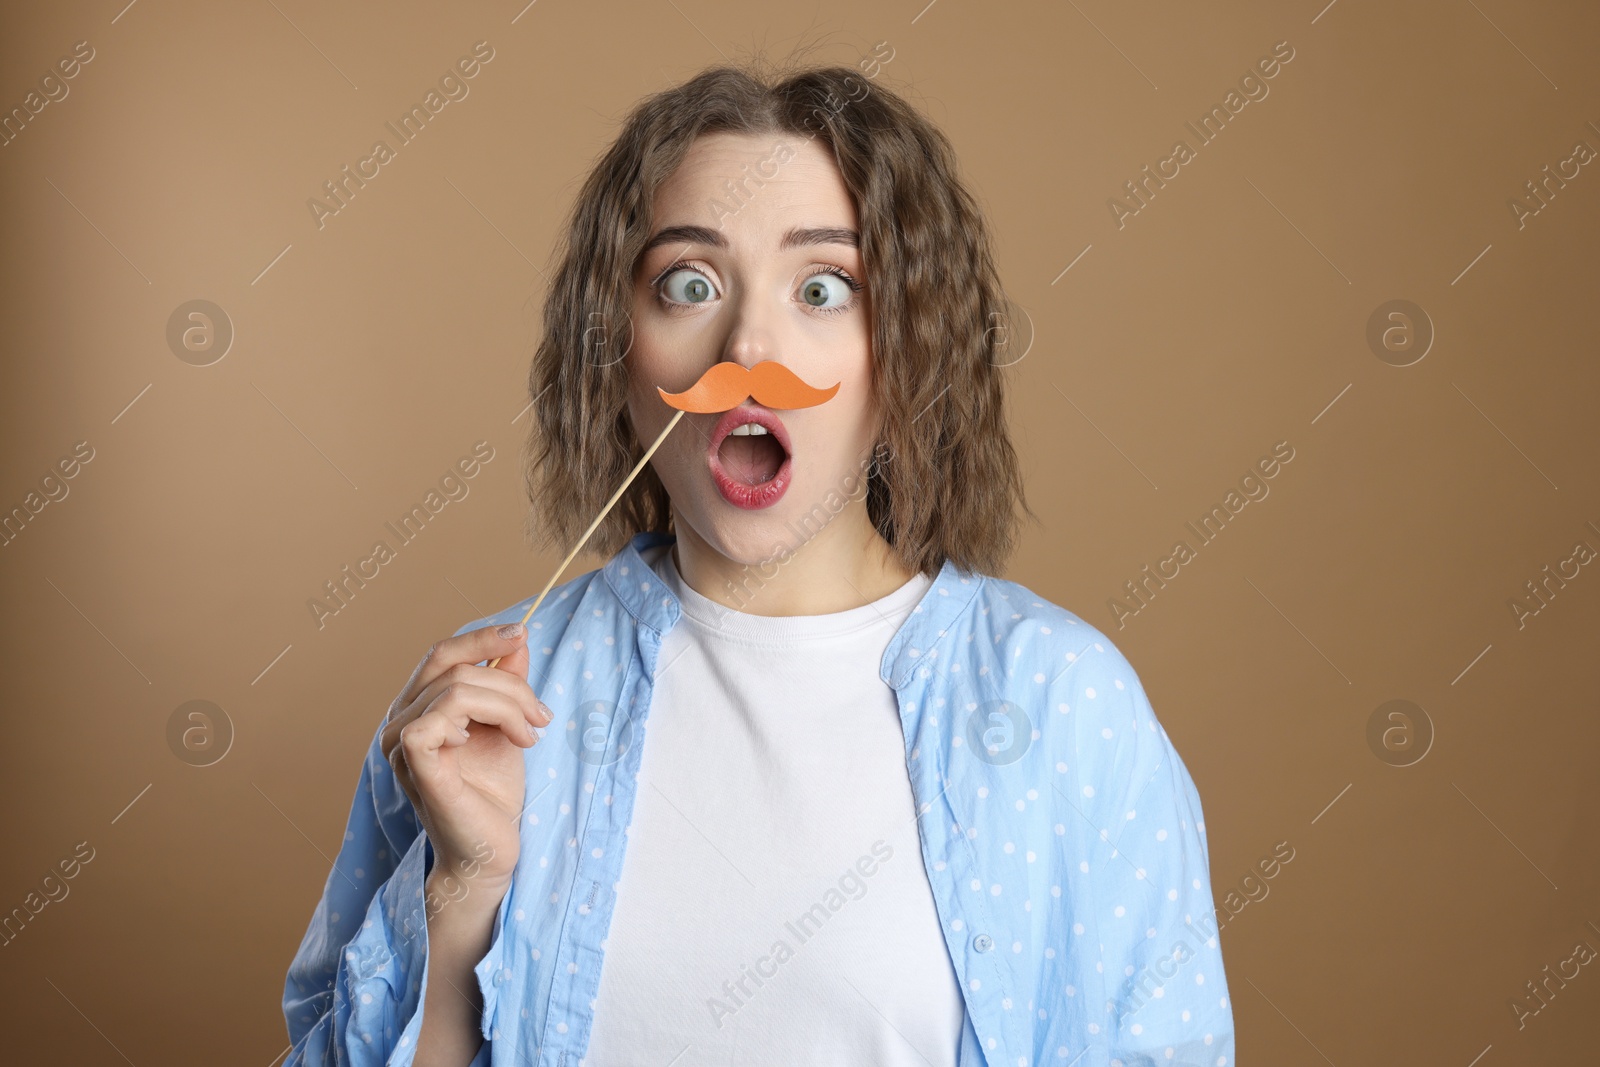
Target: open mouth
(750, 457)
(751, 454)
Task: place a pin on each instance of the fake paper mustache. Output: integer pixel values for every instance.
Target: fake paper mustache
(725, 386)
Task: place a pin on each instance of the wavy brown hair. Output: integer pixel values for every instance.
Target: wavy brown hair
(951, 486)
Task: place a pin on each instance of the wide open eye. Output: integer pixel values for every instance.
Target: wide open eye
(687, 286)
(826, 290)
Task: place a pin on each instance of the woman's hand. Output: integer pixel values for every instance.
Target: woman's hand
(454, 736)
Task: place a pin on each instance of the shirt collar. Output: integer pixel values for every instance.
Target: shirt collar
(653, 605)
(636, 583)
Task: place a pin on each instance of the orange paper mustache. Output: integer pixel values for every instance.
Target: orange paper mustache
(725, 386)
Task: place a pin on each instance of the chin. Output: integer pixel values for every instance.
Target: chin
(750, 539)
(741, 536)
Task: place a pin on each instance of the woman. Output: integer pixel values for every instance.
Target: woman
(891, 810)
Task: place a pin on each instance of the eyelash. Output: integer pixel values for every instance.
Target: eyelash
(826, 268)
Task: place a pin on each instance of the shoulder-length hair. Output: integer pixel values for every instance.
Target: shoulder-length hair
(941, 328)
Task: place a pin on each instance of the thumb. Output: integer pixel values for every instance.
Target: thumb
(514, 660)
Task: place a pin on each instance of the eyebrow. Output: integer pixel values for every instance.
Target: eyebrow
(795, 238)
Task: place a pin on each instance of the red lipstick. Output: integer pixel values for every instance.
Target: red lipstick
(756, 478)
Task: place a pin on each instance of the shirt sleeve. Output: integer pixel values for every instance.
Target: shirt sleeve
(355, 989)
(1147, 907)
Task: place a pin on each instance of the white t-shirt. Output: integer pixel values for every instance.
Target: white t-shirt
(773, 905)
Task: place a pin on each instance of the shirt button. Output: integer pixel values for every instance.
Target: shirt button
(501, 976)
(983, 942)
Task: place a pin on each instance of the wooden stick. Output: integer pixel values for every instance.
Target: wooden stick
(596, 523)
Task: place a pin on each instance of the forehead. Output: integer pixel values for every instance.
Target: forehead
(777, 180)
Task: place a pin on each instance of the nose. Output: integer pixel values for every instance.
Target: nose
(749, 338)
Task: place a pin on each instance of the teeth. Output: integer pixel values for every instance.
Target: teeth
(749, 429)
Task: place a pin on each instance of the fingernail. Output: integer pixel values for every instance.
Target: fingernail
(510, 631)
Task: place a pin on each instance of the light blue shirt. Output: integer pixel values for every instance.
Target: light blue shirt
(1061, 834)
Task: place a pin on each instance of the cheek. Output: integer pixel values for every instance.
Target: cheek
(649, 365)
(657, 358)
(862, 403)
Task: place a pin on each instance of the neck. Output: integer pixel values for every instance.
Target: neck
(845, 565)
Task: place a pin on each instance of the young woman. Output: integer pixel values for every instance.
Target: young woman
(814, 786)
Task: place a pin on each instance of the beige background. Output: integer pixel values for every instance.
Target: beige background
(1228, 315)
